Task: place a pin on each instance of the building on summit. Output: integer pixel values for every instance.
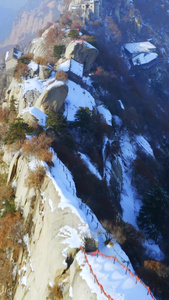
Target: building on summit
(141, 54)
(11, 58)
(90, 10)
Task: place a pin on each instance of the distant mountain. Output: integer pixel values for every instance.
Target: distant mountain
(6, 20)
(32, 17)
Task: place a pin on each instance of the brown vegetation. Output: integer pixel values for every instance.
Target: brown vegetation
(3, 115)
(114, 30)
(41, 60)
(10, 243)
(35, 177)
(157, 267)
(25, 58)
(60, 75)
(56, 291)
(38, 146)
(54, 36)
(21, 70)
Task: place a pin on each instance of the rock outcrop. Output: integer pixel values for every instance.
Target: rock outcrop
(83, 53)
(44, 259)
(38, 47)
(53, 97)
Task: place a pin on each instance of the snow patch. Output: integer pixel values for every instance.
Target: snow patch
(32, 65)
(37, 113)
(144, 144)
(77, 97)
(90, 166)
(71, 292)
(51, 205)
(121, 104)
(106, 114)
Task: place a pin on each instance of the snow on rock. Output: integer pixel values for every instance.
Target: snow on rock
(32, 65)
(90, 166)
(54, 84)
(37, 113)
(121, 104)
(129, 198)
(144, 144)
(106, 114)
(72, 65)
(87, 80)
(65, 66)
(76, 67)
(71, 237)
(6, 55)
(51, 205)
(153, 250)
(32, 84)
(117, 120)
(88, 45)
(71, 292)
(77, 97)
(38, 85)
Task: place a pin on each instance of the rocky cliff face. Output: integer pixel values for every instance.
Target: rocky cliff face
(29, 22)
(43, 262)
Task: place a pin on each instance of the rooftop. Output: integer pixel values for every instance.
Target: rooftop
(13, 53)
(135, 48)
(144, 58)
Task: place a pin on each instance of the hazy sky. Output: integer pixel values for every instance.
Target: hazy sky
(13, 4)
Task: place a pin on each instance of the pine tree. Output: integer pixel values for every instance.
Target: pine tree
(56, 122)
(153, 211)
(58, 50)
(83, 120)
(17, 131)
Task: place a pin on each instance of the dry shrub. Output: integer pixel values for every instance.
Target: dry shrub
(76, 24)
(41, 31)
(60, 75)
(90, 244)
(38, 146)
(41, 61)
(3, 115)
(159, 285)
(35, 177)
(26, 58)
(116, 230)
(21, 70)
(3, 130)
(113, 29)
(56, 291)
(15, 146)
(156, 266)
(52, 35)
(5, 191)
(10, 234)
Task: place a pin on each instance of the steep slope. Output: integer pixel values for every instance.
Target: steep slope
(59, 230)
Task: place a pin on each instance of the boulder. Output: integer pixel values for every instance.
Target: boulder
(30, 119)
(30, 97)
(38, 47)
(83, 53)
(44, 72)
(53, 97)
